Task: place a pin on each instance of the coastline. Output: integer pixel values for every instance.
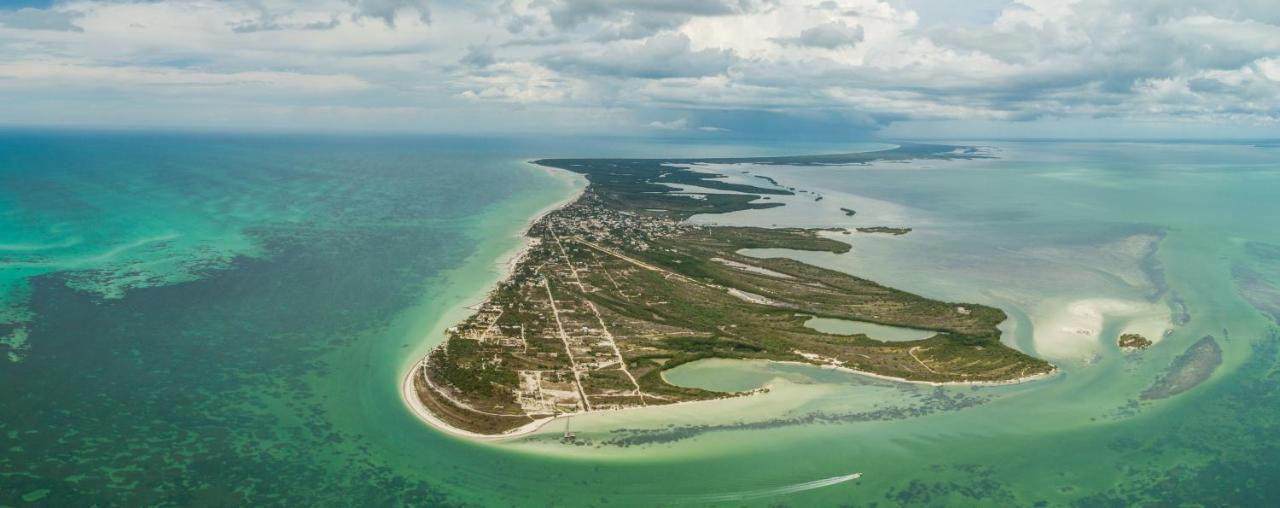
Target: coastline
(525, 241)
(410, 389)
(410, 399)
(508, 262)
(1020, 380)
(1024, 379)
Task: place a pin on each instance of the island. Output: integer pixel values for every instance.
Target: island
(849, 212)
(1133, 342)
(885, 230)
(616, 287)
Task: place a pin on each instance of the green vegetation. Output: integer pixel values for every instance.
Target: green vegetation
(618, 289)
(1133, 342)
(886, 230)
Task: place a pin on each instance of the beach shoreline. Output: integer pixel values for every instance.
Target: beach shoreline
(410, 397)
(1020, 380)
(411, 400)
(508, 262)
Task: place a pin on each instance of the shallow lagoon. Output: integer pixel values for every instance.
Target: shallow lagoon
(874, 331)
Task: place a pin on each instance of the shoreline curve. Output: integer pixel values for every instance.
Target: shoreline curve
(407, 393)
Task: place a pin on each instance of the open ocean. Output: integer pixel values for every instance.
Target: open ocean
(202, 319)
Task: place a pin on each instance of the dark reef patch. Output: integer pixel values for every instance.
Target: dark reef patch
(197, 393)
(1188, 370)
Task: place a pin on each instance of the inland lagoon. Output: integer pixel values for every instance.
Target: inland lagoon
(213, 319)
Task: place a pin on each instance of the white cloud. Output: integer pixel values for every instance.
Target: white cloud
(660, 56)
(65, 75)
(830, 35)
(518, 82)
(673, 125)
(389, 10)
(623, 63)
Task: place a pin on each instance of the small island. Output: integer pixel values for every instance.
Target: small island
(885, 230)
(1133, 342)
(616, 288)
(849, 212)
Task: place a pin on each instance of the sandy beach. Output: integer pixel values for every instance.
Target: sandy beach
(411, 400)
(1073, 330)
(508, 263)
(1023, 379)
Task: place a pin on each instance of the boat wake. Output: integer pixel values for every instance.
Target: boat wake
(775, 491)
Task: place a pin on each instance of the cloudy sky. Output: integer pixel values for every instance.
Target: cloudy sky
(705, 68)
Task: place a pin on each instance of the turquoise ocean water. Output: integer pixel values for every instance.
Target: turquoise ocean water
(216, 320)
